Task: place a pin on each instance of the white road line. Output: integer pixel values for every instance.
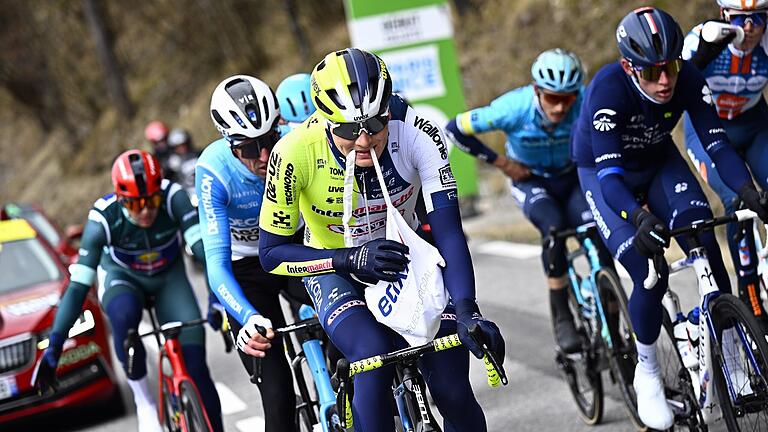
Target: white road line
(509, 249)
(251, 424)
(230, 403)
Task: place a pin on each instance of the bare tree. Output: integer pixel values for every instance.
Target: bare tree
(95, 17)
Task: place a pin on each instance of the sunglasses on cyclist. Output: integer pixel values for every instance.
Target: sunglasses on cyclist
(757, 19)
(250, 148)
(558, 98)
(653, 73)
(138, 204)
(351, 131)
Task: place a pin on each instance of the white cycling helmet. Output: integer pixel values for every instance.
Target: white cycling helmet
(244, 107)
(743, 5)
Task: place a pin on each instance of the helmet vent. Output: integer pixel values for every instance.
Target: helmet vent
(321, 65)
(658, 45)
(237, 118)
(337, 100)
(216, 116)
(254, 115)
(321, 106)
(637, 48)
(290, 105)
(265, 106)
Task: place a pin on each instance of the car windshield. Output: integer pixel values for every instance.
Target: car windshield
(25, 263)
(43, 226)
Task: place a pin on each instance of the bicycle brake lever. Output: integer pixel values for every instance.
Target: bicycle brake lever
(477, 334)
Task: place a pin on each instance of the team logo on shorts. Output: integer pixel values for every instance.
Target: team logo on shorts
(603, 120)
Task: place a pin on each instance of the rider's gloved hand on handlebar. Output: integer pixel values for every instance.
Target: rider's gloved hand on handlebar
(215, 314)
(376, 260)
(467, 316)
(44, 376)
(250, 341)
(755, 201)
(652, 235)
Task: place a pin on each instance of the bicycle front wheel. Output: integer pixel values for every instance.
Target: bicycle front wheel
(168, 406)
(192, 411)
(623, 356)
(740, 365)
(579, 370)
(678, 384)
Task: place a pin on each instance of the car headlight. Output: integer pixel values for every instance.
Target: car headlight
(84, 323)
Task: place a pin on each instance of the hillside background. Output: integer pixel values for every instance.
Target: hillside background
(60, 129)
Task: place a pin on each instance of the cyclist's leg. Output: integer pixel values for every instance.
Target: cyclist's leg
(278, 398)
(447, 375)
(356, 333)
(540, 205)
(175, 301)
(644, 304)
(674, 195)
(122, 301)
(578, 213)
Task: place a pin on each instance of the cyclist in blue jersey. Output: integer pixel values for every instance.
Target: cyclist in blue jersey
(230, 186)
(737, 73)
(294, 98)
(637, 183)
(132, 243)
(537, 120)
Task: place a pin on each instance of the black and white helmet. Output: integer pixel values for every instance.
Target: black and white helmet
(244, 107)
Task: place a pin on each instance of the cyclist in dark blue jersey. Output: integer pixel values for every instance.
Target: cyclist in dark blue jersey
(537, 120)
(637, 183)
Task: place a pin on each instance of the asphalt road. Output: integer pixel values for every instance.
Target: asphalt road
(511, 292)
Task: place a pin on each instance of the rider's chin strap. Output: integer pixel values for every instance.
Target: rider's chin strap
(642, 92)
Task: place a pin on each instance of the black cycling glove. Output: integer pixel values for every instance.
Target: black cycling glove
(376, 260)
(755, 201)
(467, 317)
(652, 235)
(708, 51)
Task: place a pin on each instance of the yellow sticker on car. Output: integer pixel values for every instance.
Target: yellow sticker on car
(15, 229)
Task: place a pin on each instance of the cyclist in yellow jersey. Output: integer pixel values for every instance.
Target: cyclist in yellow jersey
(356, 111)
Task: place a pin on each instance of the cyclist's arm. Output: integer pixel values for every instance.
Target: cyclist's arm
(442, 206)
(213, 198)
(730, 166)
(470, 143)
(607, 109)
(83, 273)
(280, 255)
(187, 217)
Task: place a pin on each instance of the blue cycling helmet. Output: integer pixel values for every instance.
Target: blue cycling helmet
(649, 36)
(558, 70)
(294, 98)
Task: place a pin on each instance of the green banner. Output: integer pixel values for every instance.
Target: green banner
(415, 40)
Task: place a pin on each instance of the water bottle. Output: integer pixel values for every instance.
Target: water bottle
(692, 328)
(713, 31)
(682, 342)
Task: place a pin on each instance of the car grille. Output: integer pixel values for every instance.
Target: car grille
(16, 352)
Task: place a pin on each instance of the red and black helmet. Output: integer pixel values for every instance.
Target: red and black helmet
(136, 174)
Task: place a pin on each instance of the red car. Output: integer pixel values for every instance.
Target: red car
(34, 276)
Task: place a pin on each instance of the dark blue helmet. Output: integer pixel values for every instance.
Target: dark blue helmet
(649, 36)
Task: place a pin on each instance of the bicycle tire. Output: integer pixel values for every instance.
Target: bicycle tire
(584, 383)
(303, 421)
(623, 355)
(752, 409)
(192, 409)
(168, 408)
(678, 385)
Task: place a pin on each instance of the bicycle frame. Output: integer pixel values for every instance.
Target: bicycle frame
(313, 353)
(577, 283)
(708, 292)
(172, 370)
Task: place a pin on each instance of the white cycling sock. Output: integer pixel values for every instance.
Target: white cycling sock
(141, 394)
(646, 357)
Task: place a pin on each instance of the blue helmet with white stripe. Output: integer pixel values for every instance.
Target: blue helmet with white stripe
(558, 71)
(649, 36)
(295, 98)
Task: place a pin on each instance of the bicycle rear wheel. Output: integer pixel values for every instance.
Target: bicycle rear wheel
(623, 356)
(192, 409)
(678, 385)
(584, 382)
(745, 401)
